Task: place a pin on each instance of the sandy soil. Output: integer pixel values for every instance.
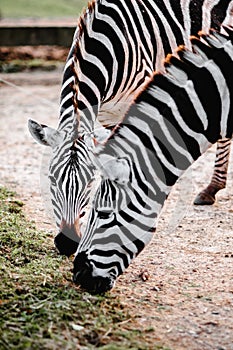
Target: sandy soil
(187, 301)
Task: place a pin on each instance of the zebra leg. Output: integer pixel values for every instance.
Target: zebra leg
(219, 177)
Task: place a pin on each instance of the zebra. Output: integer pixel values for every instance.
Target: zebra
(116, 48)
(170, 124)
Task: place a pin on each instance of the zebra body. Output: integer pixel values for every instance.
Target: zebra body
(172, 122)
(116, 48)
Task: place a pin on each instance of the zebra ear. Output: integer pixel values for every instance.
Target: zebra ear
(112, 168)
(43, 134)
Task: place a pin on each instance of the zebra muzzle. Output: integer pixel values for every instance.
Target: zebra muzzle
(67, 240)
(83, 276)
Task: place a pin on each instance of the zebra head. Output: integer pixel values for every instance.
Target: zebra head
(70, 174)
(121, 222)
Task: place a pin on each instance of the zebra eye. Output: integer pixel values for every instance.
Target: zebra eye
(104, 214)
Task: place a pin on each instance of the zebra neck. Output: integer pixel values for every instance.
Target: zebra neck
(160, 139)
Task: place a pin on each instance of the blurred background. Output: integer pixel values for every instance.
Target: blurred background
(40, 9)
(36, 34)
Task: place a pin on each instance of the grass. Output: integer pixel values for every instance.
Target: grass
(42, 8)
(40, 307)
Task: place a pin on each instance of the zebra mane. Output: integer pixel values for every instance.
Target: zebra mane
(83, 19)
(176, 65)
(71, 71)
(200, 56)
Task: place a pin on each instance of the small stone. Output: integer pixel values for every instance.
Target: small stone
(76, 327)
(145, 275)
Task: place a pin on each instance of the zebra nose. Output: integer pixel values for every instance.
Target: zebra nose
(67, 240)
(83, 277)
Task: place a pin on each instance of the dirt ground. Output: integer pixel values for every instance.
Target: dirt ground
(187, 302)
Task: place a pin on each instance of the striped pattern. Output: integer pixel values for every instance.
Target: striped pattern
(69, 171)
(116, 48)
(117, 45)
(219, 177)
(168, 127)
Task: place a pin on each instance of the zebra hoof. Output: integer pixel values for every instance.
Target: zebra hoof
(65, 245)
(204, 198)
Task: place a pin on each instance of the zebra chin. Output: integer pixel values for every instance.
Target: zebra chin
(82, 276)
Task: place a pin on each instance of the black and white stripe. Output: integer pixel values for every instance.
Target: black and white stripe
(168, 127)
(117, 45)
(116, 48)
